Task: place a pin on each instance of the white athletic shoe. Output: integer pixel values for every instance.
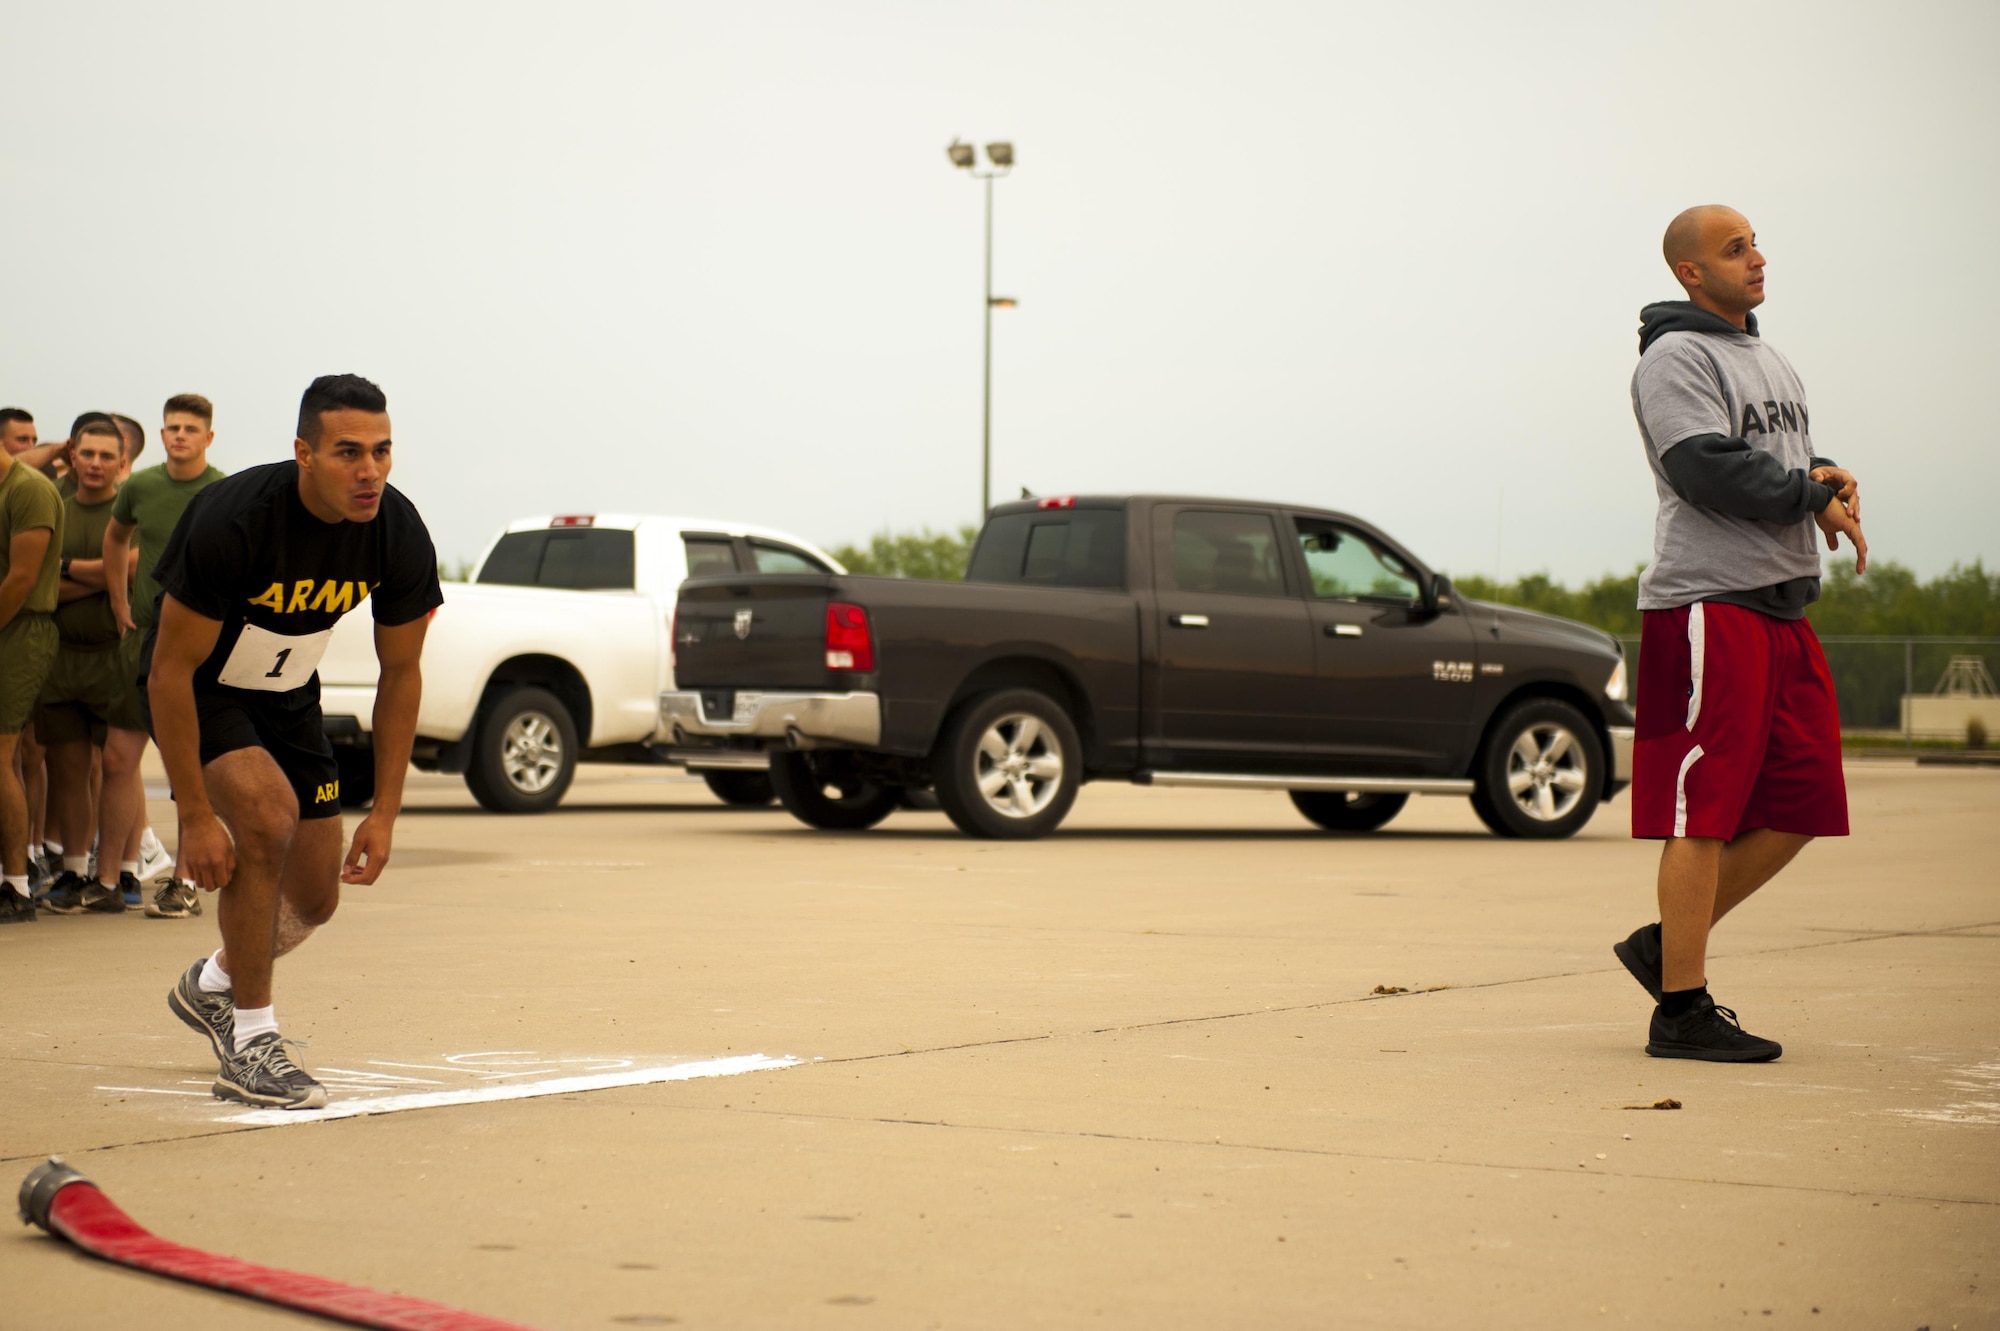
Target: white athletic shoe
(154, 862)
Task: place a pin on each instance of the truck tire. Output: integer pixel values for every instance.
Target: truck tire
(355, 766)
(825, 789)
(1008, 765)
(748, 790)
(1541, 772)
(525, 753)
(1348, 811)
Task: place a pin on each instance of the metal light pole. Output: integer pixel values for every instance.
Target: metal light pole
(1000, 161)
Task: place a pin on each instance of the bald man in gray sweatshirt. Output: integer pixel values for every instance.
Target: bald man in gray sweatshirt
(1737, 760)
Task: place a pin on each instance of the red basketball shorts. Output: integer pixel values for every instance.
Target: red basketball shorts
(1737, 727)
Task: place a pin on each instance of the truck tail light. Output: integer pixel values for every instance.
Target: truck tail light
(1057, 501)
(849, 644)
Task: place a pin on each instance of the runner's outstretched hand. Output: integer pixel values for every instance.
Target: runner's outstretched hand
(1835, 519)
(368, 855)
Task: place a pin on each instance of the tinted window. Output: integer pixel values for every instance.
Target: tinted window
(1081, 547)
(783, 559)
(1227, 552)
(576, 560)
(515, 559)
(710, 556)
(1345, 565)
(587, 561)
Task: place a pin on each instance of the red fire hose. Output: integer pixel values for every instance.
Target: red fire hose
(69, 1206)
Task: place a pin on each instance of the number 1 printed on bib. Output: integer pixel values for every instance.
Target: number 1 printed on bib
(273, 662)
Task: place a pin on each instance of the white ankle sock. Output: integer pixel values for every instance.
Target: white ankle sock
(76, 864)
(19, 884)
(129, 866)
(252, 1022)
(214, 979)
(149, 842)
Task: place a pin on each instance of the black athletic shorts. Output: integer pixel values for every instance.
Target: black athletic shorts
(293, 736)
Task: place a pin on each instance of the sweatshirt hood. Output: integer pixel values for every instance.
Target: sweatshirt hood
(1684, 316)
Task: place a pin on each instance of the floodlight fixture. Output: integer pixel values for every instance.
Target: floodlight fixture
(961, 154)
(1002, 302)
(1000, 154)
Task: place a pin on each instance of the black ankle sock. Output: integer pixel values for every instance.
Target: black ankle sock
(1680, 1002)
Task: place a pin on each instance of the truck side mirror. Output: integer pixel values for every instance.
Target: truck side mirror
(1440, 593)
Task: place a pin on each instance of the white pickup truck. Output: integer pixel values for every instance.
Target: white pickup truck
(556, 652)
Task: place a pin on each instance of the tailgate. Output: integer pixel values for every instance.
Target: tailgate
(762, 631)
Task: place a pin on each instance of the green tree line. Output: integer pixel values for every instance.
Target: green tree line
(930, 555)
(1888, 600)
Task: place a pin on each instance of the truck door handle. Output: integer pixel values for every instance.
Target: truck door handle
(1190, 621)
(1343, 630)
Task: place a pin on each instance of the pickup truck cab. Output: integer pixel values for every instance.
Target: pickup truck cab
(1164, 641)
(555, 652)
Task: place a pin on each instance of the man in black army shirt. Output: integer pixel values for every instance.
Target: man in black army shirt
(256, 574)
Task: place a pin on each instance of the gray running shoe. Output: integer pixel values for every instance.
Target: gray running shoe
(65, 895)
(264, 1074)
(211, 1015)
(15, 908)
(175, 900)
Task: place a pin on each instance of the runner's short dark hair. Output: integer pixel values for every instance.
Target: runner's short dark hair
(89, 419)
(135, 434)
(336, 392)
(106, 428)
(191, 404)
(8, 415)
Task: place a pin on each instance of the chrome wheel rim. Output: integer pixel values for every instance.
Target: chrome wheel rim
(1546, 771)
(531, 752)
(1019, 766)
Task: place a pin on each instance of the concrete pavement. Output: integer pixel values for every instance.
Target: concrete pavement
(1134, 1074)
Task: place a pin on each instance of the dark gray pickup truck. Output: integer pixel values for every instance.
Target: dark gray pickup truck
(1168, 642)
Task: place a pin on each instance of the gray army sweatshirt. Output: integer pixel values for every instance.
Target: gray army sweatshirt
(1724, 421)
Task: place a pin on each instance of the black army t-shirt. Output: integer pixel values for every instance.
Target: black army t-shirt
(249, 553)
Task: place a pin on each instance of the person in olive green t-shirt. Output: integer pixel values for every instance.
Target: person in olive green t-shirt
(82, 698)
(149, 506)
(31, 522)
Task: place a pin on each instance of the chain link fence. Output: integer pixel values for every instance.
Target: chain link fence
(1873, 675)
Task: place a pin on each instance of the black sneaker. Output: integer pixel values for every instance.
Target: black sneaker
(1644, 957)
(103, 899)
(1710, 1033)
(211, 1015)
(38, 874)
(128, 888)
(15, 908)
(65, 895)
(264, 1074)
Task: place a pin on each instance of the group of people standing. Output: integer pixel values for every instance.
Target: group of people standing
(81, 531)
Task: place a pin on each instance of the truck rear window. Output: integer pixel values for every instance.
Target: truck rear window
(591, 560)
(1079, 547)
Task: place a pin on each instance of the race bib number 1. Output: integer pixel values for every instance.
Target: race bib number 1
(273, 662)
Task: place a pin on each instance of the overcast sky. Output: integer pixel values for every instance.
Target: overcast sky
(712, 258)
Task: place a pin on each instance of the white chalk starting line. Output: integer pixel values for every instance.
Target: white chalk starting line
(472, 1095)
